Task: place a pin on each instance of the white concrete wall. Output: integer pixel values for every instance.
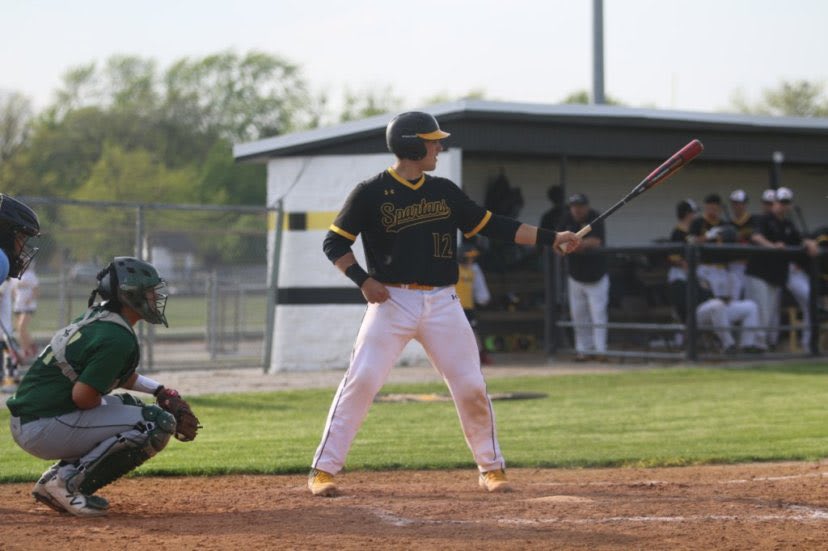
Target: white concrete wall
(308, 337)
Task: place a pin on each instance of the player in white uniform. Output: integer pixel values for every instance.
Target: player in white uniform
(409, 221)
(24, 307)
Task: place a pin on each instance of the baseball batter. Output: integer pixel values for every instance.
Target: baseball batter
(409, 222)
(18, 223)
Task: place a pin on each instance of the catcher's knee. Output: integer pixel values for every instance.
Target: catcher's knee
(160, 425)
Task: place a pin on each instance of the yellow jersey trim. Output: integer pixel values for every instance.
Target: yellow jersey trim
(415, 186)
(480, 226)
(343, 233)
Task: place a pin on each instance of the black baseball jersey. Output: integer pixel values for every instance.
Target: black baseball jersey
(586, 266)
(679, 235)
(409, 229)
(700, 225)
(773, 268)
(745, 226)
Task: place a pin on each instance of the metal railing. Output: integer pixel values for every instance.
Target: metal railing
(556, 307)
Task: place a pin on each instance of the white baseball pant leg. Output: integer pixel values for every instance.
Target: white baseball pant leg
(588, 305)
(746, 314)
(766, 297)
(713, 313)
(448, 339)
(800, 287)
(386, 329)
(736, 270)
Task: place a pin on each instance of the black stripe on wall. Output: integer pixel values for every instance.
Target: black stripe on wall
(297, 221)
(320, 295)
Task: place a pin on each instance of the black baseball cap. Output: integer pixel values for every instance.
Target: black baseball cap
(713, 198)
(577, 199)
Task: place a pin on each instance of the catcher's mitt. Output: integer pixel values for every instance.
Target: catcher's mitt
(186, 423)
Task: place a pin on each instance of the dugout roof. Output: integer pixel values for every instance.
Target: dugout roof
(600, 131)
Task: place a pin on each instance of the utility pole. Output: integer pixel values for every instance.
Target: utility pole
(598, 52)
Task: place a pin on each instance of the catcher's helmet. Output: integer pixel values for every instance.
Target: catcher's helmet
(17, 224)
(406, 132)
(128, 281)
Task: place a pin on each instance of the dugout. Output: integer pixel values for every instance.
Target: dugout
(600, 150)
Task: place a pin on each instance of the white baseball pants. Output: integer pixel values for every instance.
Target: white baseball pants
(717, 313)
(588, 305)
(766, 297)
(800, 287)
(436, 320)
(736, 270)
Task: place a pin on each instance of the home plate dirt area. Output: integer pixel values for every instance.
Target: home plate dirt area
(753, 506)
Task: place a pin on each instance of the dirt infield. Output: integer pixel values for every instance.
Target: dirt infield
(757, 506)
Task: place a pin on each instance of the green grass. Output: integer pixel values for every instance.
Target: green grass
(672, 416)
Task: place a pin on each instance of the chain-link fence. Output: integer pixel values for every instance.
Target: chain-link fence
(214, 259)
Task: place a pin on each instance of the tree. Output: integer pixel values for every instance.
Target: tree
(237, 98)
(15, 115)
(798, 99)
(368, 103)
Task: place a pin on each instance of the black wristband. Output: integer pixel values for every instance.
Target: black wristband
(356, 274)
(546, 237)
(158, 390)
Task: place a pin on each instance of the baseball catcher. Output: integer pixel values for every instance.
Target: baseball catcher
(63, 409)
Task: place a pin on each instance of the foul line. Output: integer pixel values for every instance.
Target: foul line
(804, 514)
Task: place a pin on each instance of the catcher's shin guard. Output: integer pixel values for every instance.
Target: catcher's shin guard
(126, 451)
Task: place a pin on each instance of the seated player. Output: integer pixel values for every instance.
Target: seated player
(63, 410)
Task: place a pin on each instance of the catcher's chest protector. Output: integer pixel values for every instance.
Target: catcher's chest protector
(62, 339)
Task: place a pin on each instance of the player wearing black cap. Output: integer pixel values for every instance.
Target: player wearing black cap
(588, 282)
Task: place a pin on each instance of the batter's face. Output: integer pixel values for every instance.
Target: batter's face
(433, 148)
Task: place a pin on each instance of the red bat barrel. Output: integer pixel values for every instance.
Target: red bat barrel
(668, 167)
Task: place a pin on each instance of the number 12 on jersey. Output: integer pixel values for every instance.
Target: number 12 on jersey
(442, 245)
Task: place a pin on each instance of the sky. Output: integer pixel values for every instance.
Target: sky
(667, 54)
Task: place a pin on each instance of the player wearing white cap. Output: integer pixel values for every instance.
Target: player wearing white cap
(744, 223)
(765, 275)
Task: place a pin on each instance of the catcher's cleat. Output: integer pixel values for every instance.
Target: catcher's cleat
(321, 483)
(39, 491)
(494, 481)
(74, 503)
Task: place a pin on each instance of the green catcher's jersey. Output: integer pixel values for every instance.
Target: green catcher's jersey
(102, 354)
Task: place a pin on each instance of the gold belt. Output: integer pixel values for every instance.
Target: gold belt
(413, 286)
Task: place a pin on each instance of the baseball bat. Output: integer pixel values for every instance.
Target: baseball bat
(664, 171)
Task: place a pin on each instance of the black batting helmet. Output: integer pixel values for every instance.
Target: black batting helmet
(406, 132)
(18, 223)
